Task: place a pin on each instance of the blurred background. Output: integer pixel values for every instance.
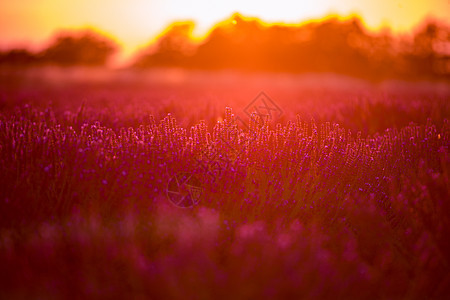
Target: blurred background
(386, 40)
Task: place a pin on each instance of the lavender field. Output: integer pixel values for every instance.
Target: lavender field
(181, 185)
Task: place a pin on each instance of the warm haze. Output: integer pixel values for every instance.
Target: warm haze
(236, 150)
(136, 22)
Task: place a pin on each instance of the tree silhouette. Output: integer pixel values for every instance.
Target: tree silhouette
(171, 48)
(332, 45)
(18, 58)
(79, 48)
(431, 50)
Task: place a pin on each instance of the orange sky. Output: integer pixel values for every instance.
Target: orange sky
(135, 22)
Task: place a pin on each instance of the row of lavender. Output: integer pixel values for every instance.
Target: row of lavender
(330, 211)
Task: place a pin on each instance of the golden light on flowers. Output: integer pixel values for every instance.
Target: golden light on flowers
(249, 149)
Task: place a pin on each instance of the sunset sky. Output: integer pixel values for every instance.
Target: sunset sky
(135, 22)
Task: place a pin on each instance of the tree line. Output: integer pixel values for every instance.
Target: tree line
(333, 45)
(84, 47)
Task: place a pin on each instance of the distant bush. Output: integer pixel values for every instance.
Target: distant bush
(18, 57)
(79, 48)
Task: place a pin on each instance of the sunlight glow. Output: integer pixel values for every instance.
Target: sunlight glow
(135, 23)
